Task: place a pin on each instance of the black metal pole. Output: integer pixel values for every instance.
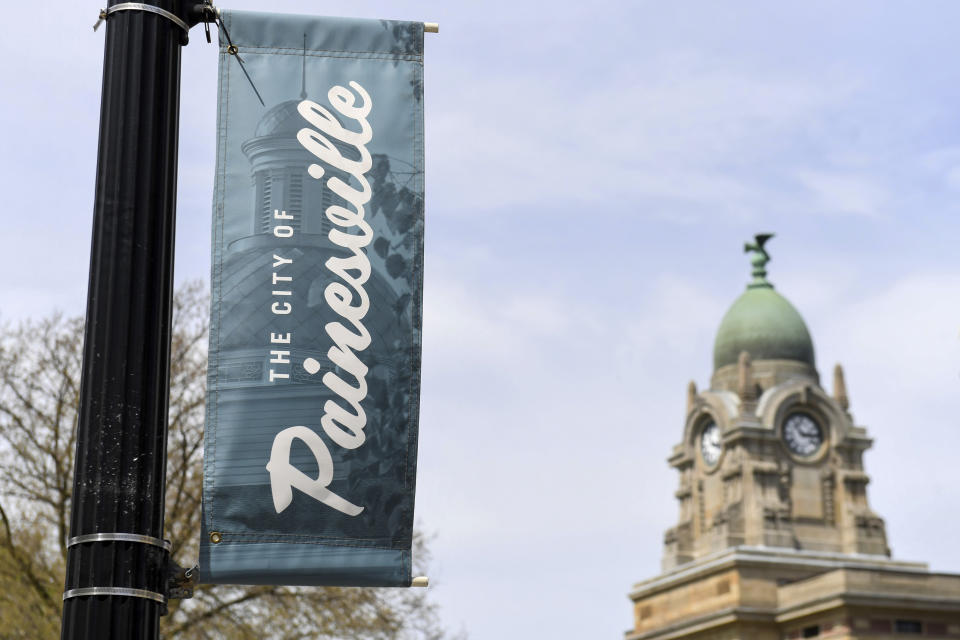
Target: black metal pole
(117, 515)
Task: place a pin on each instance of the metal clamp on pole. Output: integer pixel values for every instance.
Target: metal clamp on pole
(120, 537)
(139, 6)
(115, 591)
(180, 582)
(146, 594)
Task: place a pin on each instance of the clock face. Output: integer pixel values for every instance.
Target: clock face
(802, 434)
(710, 446)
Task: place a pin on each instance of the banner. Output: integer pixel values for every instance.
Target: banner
(314, 376)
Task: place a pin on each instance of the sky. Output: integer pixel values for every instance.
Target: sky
(592, 172)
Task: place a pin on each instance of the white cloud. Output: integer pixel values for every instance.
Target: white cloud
(952, 178)
(556, 448)
(900, 347)
(845, 193)
(678, 127)
(910, 328)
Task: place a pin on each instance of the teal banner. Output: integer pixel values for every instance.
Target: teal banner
(314, 378)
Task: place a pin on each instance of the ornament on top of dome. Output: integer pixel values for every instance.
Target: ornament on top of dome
(759, 260)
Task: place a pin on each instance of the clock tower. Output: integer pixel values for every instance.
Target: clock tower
(775, 536)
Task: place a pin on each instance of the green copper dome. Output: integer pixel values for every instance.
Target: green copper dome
(765, 324)
(762, 322)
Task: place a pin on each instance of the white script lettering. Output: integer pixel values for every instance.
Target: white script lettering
(284, 476)
(342, 421)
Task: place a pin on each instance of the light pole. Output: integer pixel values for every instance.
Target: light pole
(117, 563)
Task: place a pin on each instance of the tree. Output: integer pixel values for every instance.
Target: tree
(40, 363)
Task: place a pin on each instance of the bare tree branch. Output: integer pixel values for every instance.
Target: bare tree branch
(40, 368)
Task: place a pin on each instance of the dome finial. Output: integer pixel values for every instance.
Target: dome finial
(759, 260)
